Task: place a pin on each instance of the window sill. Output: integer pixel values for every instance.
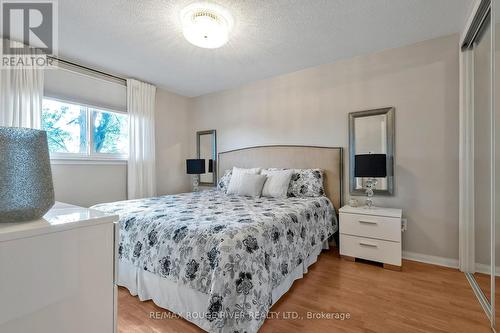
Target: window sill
(87, 161)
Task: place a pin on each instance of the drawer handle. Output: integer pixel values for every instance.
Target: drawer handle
(367, 244)
(367, 222)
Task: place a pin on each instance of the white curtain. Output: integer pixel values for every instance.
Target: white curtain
(141, 164)
(21, 94)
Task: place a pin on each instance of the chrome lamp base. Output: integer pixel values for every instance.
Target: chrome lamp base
(196, 183)
(370, 185)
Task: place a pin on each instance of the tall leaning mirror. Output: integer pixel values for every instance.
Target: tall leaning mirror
(206, 147)
(371, 142)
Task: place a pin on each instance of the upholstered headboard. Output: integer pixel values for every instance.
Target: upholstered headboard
(330, 159)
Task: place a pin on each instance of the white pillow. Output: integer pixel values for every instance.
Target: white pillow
(251, 185)
(235, 181)
(276, 185)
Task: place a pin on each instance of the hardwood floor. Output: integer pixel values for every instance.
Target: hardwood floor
(484, 282)
(420, 298)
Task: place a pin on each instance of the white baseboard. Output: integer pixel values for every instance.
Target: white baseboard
(485, 269)
(446, 262)
(428, 259)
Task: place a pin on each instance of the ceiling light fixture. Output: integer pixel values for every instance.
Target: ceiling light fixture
(206, 24)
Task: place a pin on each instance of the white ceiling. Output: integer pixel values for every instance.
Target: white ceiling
(142, 39)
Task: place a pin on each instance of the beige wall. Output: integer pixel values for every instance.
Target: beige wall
(172, 142)
(97, 183)
(310, 107)
(89, 184)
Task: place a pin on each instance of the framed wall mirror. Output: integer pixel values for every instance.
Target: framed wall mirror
(206, 148)
(372, 132)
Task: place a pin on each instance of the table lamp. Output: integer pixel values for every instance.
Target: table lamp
(195, 167)
(370, 166)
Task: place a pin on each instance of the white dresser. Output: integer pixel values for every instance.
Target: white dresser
(57, 274)
(371, 234)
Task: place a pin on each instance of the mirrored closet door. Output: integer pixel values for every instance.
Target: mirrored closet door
(496, 163)
(482, 103)
(478, 155)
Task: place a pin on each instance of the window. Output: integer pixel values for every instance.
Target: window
(84, 132)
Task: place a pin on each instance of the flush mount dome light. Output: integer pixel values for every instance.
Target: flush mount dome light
(206, 24)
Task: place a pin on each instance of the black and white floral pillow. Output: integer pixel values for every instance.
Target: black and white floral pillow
(224, 181)
(306, 183)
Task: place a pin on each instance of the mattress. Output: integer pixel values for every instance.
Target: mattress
(218, 260)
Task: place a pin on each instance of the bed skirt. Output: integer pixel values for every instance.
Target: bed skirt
(188, 303)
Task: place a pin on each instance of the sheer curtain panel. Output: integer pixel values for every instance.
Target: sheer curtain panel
(141, 163)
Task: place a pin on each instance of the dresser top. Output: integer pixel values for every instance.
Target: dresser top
(374, 211)
(59, 218)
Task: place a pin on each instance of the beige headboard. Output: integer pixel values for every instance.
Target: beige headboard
(330, 159)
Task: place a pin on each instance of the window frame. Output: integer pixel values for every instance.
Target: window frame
(89, 155)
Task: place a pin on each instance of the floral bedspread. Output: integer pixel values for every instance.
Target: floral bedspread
(234, 249)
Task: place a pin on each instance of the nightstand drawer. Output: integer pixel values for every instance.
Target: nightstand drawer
(371, 249)
(386, 228)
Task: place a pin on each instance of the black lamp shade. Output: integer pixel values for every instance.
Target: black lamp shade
(195, 166)
(370, 165)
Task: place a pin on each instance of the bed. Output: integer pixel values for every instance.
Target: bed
(221, 261)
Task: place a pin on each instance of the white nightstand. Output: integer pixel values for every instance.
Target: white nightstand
(372, 234)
